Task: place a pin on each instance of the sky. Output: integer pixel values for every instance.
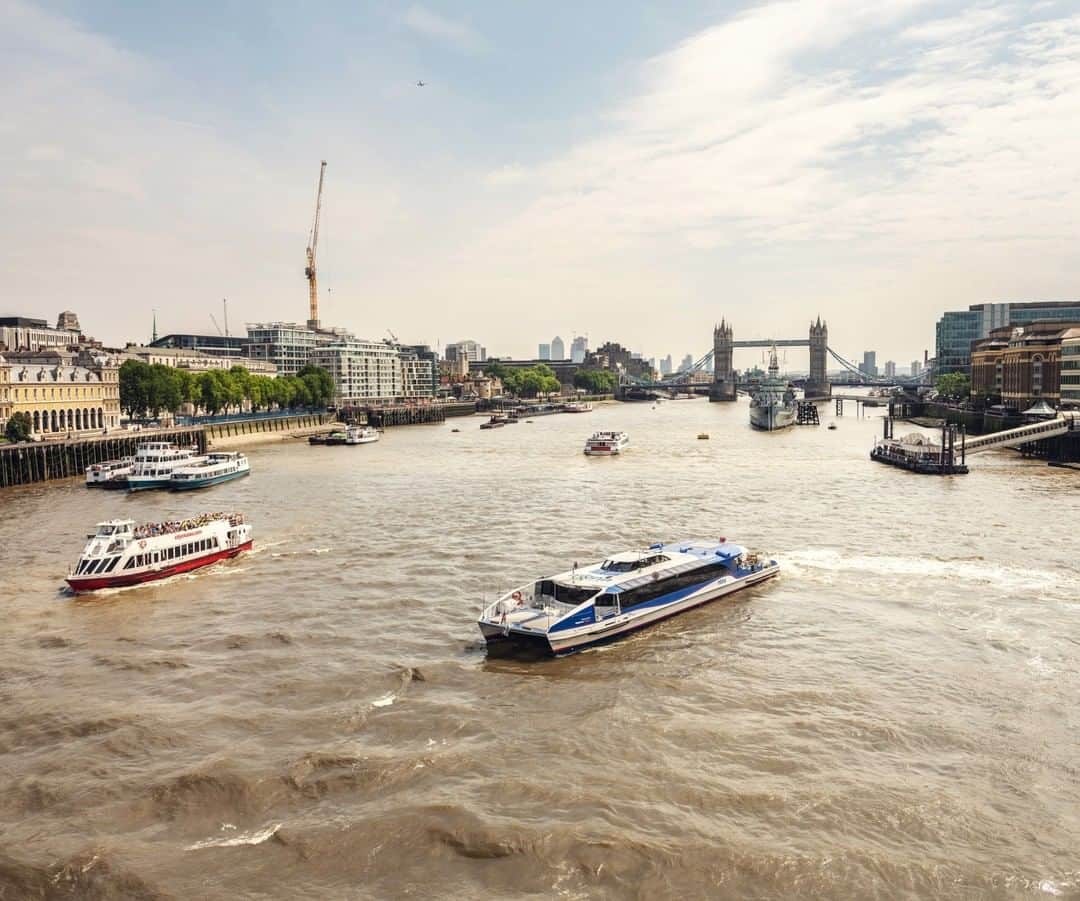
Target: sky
(624, 170)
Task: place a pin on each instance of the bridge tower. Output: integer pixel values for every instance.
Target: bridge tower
(723, 386)
(818, 384)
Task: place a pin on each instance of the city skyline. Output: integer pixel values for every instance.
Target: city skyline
(864, 141)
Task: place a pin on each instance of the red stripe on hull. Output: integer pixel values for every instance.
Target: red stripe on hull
(94, 583)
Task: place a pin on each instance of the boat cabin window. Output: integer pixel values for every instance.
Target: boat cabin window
(564, 594)
(627, 566)
(661, 586)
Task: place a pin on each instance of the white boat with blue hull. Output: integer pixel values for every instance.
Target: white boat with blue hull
(600, 602)
(213, 470)
(155, 462)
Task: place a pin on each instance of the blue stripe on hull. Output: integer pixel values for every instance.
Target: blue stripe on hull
(142, 485)
(189, 484)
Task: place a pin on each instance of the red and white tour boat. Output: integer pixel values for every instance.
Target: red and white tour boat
(122, 553)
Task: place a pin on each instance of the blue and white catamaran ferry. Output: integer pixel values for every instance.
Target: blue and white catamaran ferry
(603, 601)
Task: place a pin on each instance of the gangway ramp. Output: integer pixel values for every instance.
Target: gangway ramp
(1049, 428)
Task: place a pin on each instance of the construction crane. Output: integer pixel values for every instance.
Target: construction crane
(393, 336)
(313, 245)
(213, 319)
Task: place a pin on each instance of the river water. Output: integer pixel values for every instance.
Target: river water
(894, 717)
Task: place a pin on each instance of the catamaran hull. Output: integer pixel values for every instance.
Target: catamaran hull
(561, 643)
(93, 583)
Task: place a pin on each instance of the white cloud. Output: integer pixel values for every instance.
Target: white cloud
(432, 25)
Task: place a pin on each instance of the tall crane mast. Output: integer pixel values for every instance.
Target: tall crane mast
(313, 245)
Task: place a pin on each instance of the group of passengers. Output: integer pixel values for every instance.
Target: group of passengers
(152, 529)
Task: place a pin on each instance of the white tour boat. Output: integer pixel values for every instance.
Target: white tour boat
(155, 462)
(109, 474)
(599, 602)
(361, 434)
(211, 470)
(604, 444)
(122, 553)
(578, 407)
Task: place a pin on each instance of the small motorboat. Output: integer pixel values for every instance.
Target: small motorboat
(496, 422)
(455, 430)
(316, 439)
(832, 425)
(703, 436)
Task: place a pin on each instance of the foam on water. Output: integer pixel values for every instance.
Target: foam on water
(244, 838)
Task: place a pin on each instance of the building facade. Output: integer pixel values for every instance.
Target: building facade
(544, 352)
(61, 399)
(419, 372)
(869, 363)
(286, 345)
(233, 347)
(579, 349)
(23, 333)
(957, 330)
(468, 350)
(890, 369)
(364, 372)
(558, 349)
(1021, 364)
(1070, 368)
(194, 360)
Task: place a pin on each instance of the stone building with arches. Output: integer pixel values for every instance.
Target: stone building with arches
(61, 398)
(1020, 364)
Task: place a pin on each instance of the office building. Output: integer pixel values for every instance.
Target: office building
(687, 363)
(233, 347)
(916, 368)
(579, 349)
(868, 367)
(544, 352)
(1070, 368)
(956, 330)
(1022, 364)
(194, 360)
(24, 333)
(470, 351)
(558, 349)
(890, 369)
(665, 365)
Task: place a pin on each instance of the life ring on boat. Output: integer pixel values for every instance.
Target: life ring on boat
(516, 596)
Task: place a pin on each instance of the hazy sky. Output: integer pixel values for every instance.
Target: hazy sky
(630, 171)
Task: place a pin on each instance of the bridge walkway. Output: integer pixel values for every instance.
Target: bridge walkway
(1049, 428)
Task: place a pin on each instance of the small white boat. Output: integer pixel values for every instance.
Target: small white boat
(121, 553)
(214, 469)
(99, 475)
(577, 407)
(599, 602)
(155, 462)
(606, 444)
(361, 434)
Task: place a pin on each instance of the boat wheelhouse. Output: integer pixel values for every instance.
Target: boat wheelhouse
(122, 553)
(155, 462)
(212, 470)
(606, 444)
(100, 475)
(600, 602)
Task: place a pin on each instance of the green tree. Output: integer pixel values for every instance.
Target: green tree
(19, 427)
(319, 385)
(956, 385)
(595, 381)
(135, 387)
(213, 391)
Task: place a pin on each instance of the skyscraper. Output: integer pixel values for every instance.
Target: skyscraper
(869, 363)
(665, 365)
(916, 367)
(890, 369)
(544, 352)
(558, 349)
(579, 348)
(687, 363)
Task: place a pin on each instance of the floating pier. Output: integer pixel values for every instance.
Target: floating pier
(917, 453)
(806, 413)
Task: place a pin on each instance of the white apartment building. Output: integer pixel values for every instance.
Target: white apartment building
(196, 361)
(287, 345)
(364, 372)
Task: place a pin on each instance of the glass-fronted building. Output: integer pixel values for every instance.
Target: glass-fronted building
(956, 330)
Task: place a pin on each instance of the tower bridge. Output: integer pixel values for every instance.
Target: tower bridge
(725, 383)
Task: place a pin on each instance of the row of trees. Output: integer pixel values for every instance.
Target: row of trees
(150, 389)
(596, 381)
(530, 382)
(18, 428)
